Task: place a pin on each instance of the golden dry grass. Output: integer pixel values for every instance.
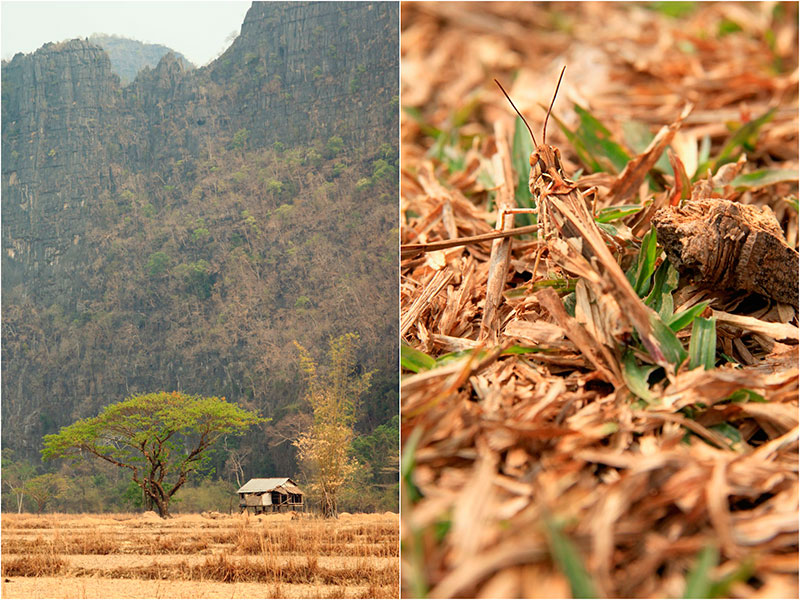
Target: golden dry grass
(536, 471)
(125, 555)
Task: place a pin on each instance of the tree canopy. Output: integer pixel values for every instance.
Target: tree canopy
(161, 437)
(334, 394)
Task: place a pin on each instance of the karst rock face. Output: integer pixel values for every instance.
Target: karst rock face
(69, 126)
(59, 105)
(71, 133)
(309, 61)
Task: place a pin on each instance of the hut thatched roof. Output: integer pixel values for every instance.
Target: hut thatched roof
(269, 484)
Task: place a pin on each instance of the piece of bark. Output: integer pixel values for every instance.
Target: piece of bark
(729, 245)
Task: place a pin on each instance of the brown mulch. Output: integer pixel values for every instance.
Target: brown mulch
(531, 468)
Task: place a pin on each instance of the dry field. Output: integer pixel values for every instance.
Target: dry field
(194, 556)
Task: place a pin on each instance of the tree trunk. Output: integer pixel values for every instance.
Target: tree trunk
(155, 499)
(147, 500)
(163, 507)
(329, 505)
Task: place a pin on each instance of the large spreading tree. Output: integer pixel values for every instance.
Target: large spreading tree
(161, 438)
(334, 392)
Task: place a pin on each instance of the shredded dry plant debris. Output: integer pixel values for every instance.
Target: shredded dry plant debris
(599, 423)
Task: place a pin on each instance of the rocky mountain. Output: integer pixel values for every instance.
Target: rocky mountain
(128, 57)
(181, 232)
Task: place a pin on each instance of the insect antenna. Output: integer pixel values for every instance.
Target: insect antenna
(519, 113)
(544, 127)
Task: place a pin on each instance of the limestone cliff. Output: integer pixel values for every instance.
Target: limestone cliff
(58, 106)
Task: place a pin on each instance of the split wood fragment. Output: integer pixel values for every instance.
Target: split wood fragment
(413, 250)
(729, 245)
(501, 248)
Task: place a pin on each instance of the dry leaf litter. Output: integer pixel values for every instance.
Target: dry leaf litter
(540, 472)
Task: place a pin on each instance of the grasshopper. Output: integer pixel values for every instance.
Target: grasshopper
(561, 207)
(541, 160)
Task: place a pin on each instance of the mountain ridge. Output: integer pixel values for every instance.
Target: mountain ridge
(129, 56)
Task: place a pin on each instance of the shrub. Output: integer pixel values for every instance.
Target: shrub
(334, 146)
(157, 263)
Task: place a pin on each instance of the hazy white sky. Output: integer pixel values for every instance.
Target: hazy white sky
(198, 30)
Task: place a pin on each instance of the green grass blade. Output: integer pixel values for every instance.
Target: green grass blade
(452, 156)
(668, 342)
(727, 26)
(745, 136)
(597, 140)
(676, 10)
(451, 357)
(612, 213)
(638, 136)
(424, 126)
(415, 360)
(559, 285)
(570, 300)
(684, 318)
(721, 588)
(762, 178)
(522, 146)
(645, 264)
(742, 138)
(569, 561)
(731, 433)
(698, 582)
(517, 349)
(664, 283)
(609, 229)
(636, 377)
(584, 155)
(415, 550)
(703, 343)
(703, 156)
(464, 113)
(408, 462)
(746, 395)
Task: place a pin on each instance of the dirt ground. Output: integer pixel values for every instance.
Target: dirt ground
(192, 556)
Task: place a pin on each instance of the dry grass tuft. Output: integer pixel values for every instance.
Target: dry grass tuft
(33, 565)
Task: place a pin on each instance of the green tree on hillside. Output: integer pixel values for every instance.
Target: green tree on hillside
(44, 488)
(161, 438)
(15, 475)
(239, 141)
(334, 393)
(379, 451)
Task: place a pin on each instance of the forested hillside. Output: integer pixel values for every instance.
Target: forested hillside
(181, 232)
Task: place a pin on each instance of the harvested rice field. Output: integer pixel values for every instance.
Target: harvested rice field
(196, 556)
(600, 387)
